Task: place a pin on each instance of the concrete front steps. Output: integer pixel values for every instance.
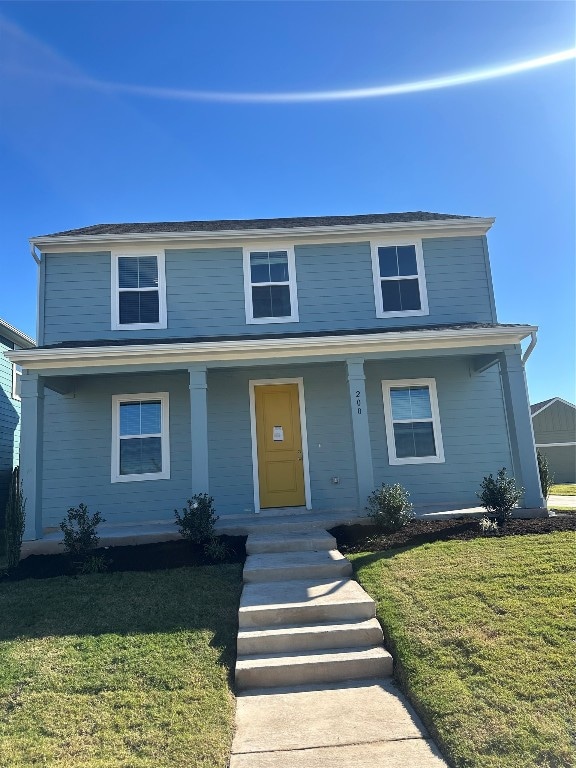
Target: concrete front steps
(302, 619)
(285, 566)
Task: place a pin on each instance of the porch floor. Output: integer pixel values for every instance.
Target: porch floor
(287, 520)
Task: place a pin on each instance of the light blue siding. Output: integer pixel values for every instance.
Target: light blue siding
(78, 444)
(78, 438)
(205, 291)
(330, 448)
(473, 424)
(9, 428)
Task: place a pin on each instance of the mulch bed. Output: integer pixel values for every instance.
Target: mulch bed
(141, 557)
(364, 538)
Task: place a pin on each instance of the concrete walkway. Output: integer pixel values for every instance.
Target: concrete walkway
(354, 724)
(556, 502)
(313, 675)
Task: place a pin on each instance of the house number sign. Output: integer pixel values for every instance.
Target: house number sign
(358, 401)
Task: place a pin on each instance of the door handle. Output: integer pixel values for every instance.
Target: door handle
(299, 455)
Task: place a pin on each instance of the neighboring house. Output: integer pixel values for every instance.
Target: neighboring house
(554, 424)
(10, 338)
(292, 363)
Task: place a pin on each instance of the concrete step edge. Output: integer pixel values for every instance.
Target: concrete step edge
(357, 634)
(324, 656)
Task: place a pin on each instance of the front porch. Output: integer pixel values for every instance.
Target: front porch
(481, 422)
(284, 522)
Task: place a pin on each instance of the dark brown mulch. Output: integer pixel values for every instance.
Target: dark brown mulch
(141, 557)
(364, 538)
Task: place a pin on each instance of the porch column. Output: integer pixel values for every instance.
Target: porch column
(520, 427)
(31, 446)
(199, 428)
(360, 430)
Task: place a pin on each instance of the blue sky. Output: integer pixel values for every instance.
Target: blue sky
(73, 154)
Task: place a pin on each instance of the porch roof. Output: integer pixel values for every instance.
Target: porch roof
(327, 344)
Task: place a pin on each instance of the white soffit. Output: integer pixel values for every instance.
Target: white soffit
(270, 348)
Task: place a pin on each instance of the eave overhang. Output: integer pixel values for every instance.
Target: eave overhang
(471, 225)
(15, 336)
(329, 347)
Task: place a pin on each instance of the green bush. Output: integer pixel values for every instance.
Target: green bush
(499, 495)
(15, 518)
(79, 529)
(389, 507)
(546, 477)
(196, 523)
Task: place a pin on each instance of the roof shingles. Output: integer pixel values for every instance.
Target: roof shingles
(219, 225)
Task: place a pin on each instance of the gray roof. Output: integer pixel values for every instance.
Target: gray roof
(537, 407)
(540, 405)
(154, 227)
(15, 336)
(261, 336)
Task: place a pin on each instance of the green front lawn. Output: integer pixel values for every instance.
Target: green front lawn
(119, 670)
(483, 635)
(564, 489)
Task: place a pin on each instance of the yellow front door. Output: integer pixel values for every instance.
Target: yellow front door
(279, 443)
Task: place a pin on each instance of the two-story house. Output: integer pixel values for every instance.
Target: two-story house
(10, 373)
(275, 363)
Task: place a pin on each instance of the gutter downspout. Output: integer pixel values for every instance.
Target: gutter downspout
(33, 252)
(39, 296)
(530, 347)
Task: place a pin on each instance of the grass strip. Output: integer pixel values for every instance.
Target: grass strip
(483, 637)
(563, 489)
(121, 670)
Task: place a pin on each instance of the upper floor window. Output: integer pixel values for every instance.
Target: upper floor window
(270, 286)
(412, 421)
(399, 280)
(138, 291)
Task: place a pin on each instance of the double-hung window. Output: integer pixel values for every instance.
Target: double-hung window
(140, 440)
(399, 280)
(270, 285)
(138, 291)
(412, 421)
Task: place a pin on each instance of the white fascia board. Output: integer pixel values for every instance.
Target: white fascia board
(207, 351)
(475, 225)
(15, 336)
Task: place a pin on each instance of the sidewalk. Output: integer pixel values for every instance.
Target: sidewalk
(354, 724)
(556, 502)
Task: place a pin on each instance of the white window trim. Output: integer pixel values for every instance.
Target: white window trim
(247, 250)
(431, 384)
(15, 374)
(417, 243)
(164, 437)
(115, 291)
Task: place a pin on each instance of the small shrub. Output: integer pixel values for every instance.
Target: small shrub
(15, 518)
(79, 529)
(94, 564)
(487, 526)
(196, 521)
(546, 477)
(215, 549)
(389, 507)
(499, 495)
